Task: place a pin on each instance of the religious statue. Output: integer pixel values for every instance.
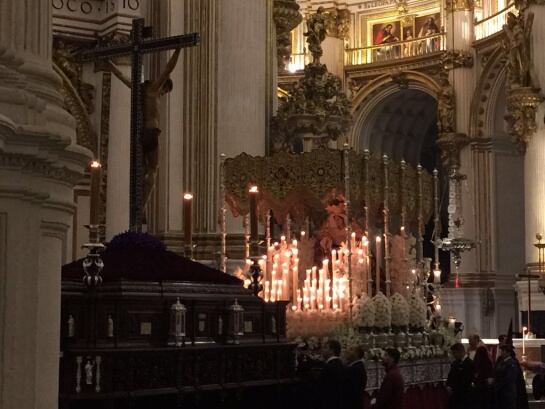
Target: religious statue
(71, 326)
(110, 327)
(517, 47)
(316, 33)
(89, 372)
(446, 105)
(152, 91)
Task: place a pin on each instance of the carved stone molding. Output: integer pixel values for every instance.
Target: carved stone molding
(37, 166)
(400, 78)
(522, 105)
(286, 17)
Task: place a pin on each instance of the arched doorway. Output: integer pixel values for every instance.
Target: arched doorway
(401, 122)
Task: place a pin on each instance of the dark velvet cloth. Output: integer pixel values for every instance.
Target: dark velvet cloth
(354, 385)
(459, 380)
(522, 395)
(151, 265)
(390, 394)
(330, 392)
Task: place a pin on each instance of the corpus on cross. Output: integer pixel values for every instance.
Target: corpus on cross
(144, 106)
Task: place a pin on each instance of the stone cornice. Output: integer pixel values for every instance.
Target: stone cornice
(39, 167)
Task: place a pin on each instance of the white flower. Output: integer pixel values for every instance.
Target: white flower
(383, 311)
(400, 310)
(365, 311)
(417, 315)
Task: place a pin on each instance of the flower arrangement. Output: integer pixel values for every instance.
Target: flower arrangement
(364, 312)
(417, 312)
(383, 311)
(130, 242)
(400, 311)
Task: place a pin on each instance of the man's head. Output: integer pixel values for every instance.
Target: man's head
(167, 86)
(506, 350)
(388, 28)
(332, 348)
(458, 351)
(391, 358)
(474, 341)
(355, 353)
(501, 340)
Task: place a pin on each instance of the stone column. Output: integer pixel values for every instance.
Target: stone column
(189, 156)
(117, 190)
(460, 35)
(333, 56)
(39, 165)
(534, 161)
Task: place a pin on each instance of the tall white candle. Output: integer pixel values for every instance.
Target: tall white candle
(378, 260)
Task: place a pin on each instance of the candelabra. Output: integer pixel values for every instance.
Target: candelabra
(93, 263)
(451, 145)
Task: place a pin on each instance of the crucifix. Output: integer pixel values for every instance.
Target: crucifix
(139, 45)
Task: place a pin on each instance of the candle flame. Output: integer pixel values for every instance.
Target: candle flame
(253, 189)
(188, 196)
(95, 164)
(378, 239)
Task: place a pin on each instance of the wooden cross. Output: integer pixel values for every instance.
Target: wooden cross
(136, 48)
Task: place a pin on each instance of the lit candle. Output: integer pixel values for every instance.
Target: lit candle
(353, 241)
(254, 229)
(267, 291)
(96, 171)
(377, 263)
(451, 322)
(524, 329)
(188, 228)
(437, 276)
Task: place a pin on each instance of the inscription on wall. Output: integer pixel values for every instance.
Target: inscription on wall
(94, 7)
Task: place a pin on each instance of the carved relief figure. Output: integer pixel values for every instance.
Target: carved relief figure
(517, 46)
(89, 372)
(316, 33)
(446, 107)
(152, 90)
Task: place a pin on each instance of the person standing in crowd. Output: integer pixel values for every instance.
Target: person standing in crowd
(390, 394)
(474, 343)
(356, 379)
(483, 379)
(330, 383)
(506, 379)
(460, 378)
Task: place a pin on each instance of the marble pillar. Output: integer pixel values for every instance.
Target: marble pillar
(243, 85)
(39, 165)
(117, 190)
(534, 183)
(460, 35)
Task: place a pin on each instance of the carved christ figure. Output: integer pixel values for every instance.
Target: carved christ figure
(152, 92)
(316, 33)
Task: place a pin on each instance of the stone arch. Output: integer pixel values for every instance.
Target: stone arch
(484, 107)
(370, 96)
(85, 133)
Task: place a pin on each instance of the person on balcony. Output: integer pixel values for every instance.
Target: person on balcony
(430, 29)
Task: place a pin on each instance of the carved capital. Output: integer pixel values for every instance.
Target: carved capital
(456, 59)
(451, 144)
(459, 5)
(522, 105)
(338, 23)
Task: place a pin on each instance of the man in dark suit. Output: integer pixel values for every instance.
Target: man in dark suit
(390, 394)
(460, 377)
(330, 383)
(356, 379)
